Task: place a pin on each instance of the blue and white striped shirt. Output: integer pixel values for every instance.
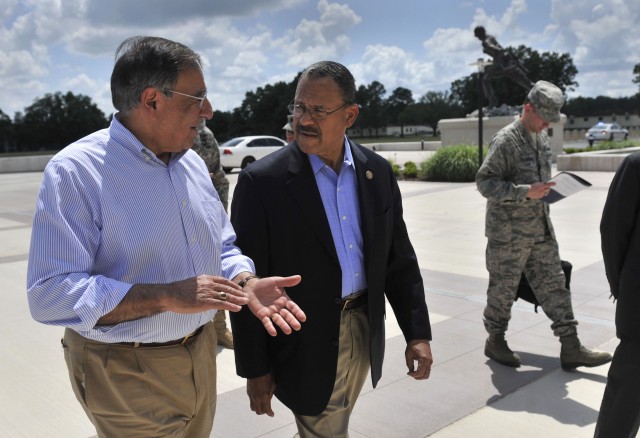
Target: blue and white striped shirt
(339, 195)
(109, 215)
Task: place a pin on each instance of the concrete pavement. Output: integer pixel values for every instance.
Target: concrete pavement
(467, 395)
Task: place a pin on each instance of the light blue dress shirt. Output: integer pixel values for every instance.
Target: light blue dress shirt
(109, 215)
(339, 195)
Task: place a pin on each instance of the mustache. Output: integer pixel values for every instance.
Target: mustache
(307, 130)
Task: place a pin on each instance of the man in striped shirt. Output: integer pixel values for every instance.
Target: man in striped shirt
(133, 253)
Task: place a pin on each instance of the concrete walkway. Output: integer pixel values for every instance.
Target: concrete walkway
(466, 396)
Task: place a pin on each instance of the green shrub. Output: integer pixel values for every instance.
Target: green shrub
(451, 163)
(603, 146)
(410, 170)
(395, 167)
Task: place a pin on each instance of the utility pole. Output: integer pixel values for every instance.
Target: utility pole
(481, 64)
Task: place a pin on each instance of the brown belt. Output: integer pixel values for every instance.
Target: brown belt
(354, 301)
(182, 341)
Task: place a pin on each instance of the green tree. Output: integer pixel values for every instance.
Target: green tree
(396, 103)
(57, 120)
(439, 105)
(592, 106)
(372, 109)
(262, 112)
(414, 114)
(265, 110)
(7, 133)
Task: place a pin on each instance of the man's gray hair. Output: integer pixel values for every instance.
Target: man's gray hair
(144, 61)
(336, 71)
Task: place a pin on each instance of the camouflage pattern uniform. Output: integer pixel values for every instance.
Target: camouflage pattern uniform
(519, 230)
(207, 147)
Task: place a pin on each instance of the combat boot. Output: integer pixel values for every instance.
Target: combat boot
(496, 348)
(225, 338)
(573, 354)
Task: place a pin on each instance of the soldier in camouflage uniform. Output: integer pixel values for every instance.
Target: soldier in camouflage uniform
(520, 234)
(288, 130)
(207, 147)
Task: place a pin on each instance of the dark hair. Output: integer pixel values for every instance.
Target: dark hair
(336, 71)
(145, 61)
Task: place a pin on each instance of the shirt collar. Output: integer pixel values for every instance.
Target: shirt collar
(129, 141)
(317, 164)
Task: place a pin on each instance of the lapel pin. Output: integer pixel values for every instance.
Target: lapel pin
(369, 174)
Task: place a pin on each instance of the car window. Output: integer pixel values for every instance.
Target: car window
(258, 142)
(231, 143)
(275, 142)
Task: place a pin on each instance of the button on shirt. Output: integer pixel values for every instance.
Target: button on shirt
(339, 195)
(109, 215)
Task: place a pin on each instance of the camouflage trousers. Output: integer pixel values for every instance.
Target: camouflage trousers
(539, 260)
(222, 187)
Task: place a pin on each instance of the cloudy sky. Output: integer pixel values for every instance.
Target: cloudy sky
(68, 45)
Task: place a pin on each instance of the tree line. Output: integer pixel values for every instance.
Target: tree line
(56, 120)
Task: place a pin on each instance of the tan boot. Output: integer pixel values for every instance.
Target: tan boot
(496, 348)
(225, 338)
(573, 355)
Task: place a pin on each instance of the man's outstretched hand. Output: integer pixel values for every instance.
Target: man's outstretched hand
(269, 302)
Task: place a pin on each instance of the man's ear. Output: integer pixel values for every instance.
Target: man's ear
(149, 99)
(352, 114)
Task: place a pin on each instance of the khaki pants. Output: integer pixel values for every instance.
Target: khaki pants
(353, 367)
(167, 391)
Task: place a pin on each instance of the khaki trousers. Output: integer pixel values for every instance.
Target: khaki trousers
(352, 369)
(126, 391)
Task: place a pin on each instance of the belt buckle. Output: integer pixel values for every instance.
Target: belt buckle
(347, 303)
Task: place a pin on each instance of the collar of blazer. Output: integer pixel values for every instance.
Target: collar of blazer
(305, 191)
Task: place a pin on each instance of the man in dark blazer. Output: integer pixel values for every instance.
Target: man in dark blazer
(620, 233)
(330, 210)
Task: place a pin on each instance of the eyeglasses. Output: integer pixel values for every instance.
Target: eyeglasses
(201, 99)
(315, 113)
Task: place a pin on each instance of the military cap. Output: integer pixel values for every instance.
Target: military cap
(288, 126)
(547, 99)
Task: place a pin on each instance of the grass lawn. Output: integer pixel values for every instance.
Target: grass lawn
(604, 146)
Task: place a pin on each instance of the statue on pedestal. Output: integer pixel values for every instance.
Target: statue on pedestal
(504, 64)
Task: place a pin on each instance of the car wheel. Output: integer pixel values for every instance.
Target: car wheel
(625, 137)
(247, 161)
(611, 137)
(227, 169)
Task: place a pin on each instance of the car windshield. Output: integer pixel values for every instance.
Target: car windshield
(231, 143)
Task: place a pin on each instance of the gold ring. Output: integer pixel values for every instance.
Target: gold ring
(222, 296)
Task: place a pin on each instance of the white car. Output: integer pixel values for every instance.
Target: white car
(606, 132)
(242, 151)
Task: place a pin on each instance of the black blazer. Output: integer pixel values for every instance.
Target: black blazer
(620, 237)
(279, 218)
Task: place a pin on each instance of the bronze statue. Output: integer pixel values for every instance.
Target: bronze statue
(504, 63)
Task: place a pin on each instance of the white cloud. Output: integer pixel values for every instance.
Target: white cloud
(315, 40)
(602, 37)
(60, 45)
(393, 68)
